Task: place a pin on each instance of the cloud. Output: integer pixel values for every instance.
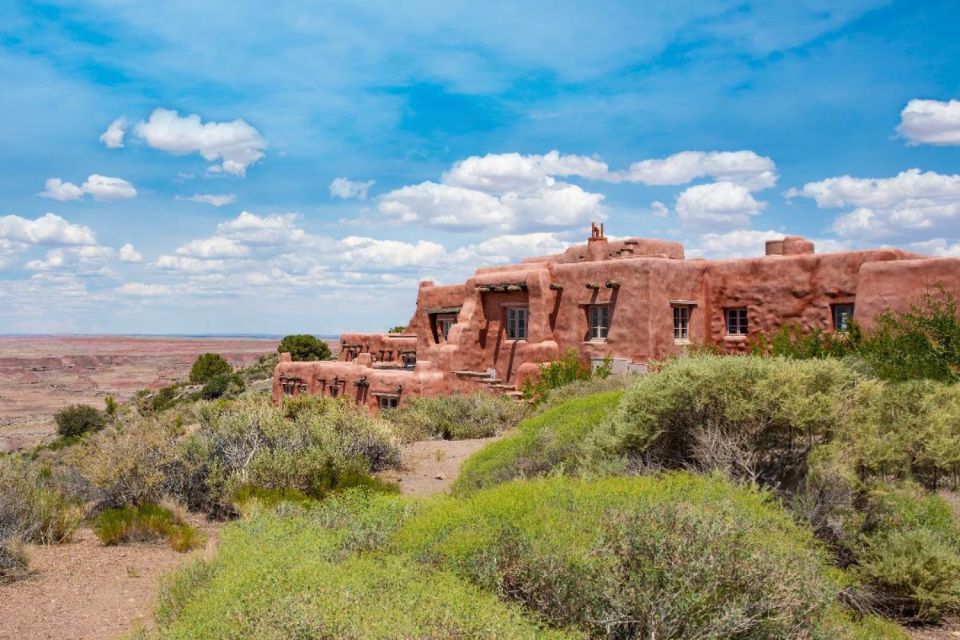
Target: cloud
(659, 210)
(100, 187)
(112, 138)
(47, 229)
(217, 200)
(931, 122)
(194, 265)
(745, 168)
(733, 244)
(271, 230)
(215, 247)
(347, 189)
(516, 173)
(141, 289)
(128, 253)
(236, 144)
(911, 203)
(717, 205)
(83, 258)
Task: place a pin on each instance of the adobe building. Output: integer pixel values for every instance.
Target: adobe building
(635, 300)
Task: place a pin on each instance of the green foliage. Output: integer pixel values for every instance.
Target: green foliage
(555, 375)
(454, 417)
(400, 328)
(110, 406)
(754, 418)
(801, 343)
(144, 523)
(207, 366)
(262, 369)
(32, 506)
(921, 343)
(223, 384)
(545, 443)
(675, 556)
(321, 574)
(77, 420)
(910, 553)
(304, 347)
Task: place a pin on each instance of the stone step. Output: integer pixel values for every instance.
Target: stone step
(490, 381)
(472, 374)
(504, 387)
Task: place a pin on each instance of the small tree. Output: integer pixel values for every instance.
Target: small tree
(304, 347)
(76, 420)
(207, 366)
(561, 373)
(397, 329)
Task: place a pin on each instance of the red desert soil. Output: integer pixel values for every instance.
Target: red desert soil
(39, 375)
(83, 590)
(431, 466)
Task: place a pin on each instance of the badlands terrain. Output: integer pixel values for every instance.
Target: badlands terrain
(39, 375)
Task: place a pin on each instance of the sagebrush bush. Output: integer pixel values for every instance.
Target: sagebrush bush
(548, 442)
(304, 347)
(558, 374)
(78, 420)
(223, 385)
(676, 556)
(32, 507)
(753, 418)
(454, 417)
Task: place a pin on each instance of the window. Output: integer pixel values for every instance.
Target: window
(599, 321)
(842, 317)
(388, 402)
(681, 322)
(736, 321)
(443, 326)
(516, 323)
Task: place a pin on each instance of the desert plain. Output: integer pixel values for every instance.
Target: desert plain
(39, 375)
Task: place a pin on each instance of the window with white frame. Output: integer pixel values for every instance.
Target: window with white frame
(681, 322)
(599, 321)
(517, 323)
(736, 319)
(842, 317)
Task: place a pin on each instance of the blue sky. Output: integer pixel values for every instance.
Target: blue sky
(298, 166)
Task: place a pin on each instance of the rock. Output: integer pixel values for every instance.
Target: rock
(439, 476)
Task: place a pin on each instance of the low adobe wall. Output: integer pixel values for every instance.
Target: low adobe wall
(895, 286)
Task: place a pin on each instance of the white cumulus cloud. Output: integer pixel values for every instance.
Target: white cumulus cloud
(100, 187)
(235, 145)
(128, 253)
(914, 203)
(931, 122)
(47, 229)
(112, 138)
(733, 244)
(142, 289)
(717, 205)
(741, 167)
(347, 189)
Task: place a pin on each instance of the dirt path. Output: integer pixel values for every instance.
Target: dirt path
(83, 590)
(431, 466)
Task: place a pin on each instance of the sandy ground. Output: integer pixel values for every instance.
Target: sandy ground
(41, 375)
(83, 590)
(431, 466)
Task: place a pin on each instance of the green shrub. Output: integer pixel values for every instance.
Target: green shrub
(544, 443)
(802, 343)
(309, 444)
(454, 417)
(557, 374)
(78, 420)
(296, 575)
(146, 523)
(32, 507)
(207, 366)
(400, 328)
(304, 347)
(670, 557)
(753, 418)
(910, 553)
(262, 369)
(222, 384)
(14, 564)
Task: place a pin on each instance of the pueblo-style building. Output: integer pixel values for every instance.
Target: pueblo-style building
(635, 300)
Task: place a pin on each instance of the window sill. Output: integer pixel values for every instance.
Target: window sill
(596, 341)
(735, 338)
(681, 341)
